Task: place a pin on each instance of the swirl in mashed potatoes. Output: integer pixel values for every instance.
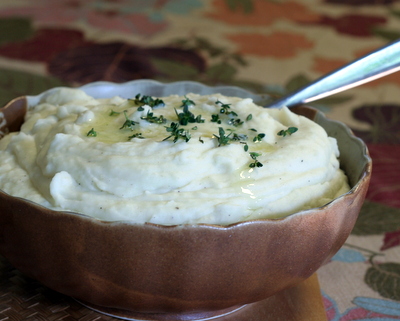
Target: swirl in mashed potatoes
(181, 160)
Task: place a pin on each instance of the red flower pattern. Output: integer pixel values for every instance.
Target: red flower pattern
(353, 24)
(385, 185)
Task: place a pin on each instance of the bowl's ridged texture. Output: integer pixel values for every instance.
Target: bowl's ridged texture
(150, 268)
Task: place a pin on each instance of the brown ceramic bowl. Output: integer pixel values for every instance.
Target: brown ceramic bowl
(187, 271)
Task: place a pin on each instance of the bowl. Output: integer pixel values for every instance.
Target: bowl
(183, 272)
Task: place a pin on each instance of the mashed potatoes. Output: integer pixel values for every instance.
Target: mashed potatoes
(170, 160)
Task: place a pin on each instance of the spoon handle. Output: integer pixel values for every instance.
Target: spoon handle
(374, 65)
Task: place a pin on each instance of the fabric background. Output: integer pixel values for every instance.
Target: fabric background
(266, 46)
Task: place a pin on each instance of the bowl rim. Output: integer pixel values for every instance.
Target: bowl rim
(32, 100)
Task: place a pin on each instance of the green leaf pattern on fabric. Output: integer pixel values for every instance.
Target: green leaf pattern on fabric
(385, 278)
(15, 83)
(15, 29)
(377, 219)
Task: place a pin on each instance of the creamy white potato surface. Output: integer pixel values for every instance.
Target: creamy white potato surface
(170, 160)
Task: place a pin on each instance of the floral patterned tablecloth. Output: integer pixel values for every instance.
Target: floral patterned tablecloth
(266, 46)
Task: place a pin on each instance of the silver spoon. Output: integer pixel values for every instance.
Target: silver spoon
(377, 64)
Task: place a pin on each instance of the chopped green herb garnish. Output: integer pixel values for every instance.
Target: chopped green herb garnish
(128, 123)
(187, 102)
(288, 131)
(91, 133)
(222, 138)
(137, 135)
(239, 137)
(154, 119)
(148, 100)
(256, 163)
(114, 113)
(258, 138)
(198, 119)
(224, 107)
(246, 147)
(253, 129)
(235, 122)
(177, 133)
(215, 119)
(187, 116)
(201, 141)
(249, 117)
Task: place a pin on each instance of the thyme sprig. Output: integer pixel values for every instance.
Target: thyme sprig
(215, 119)
(154, 119)
(186, 116)
(239, 137)
(128, 122)
(255, 162)
(187, 102)
(289, 131)
(225, 108)
(137, 135)
(258, 138)
(177, 133)
(148, 100)
(222, 138)
(91, 133)
(114, 113)
(235, 122)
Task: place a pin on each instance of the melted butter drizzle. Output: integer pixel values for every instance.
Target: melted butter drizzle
(109, 119)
